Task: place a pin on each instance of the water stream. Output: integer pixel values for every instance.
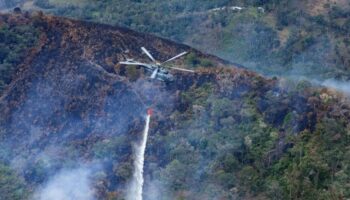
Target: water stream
(135, 192)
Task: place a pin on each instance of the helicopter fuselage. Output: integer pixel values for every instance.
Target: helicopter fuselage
(162, 73)
(157, 69)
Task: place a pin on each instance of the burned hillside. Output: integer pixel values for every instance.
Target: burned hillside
(220, 133)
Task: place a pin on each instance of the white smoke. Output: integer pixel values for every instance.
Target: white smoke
(135, 190)
(68, 185)
(155, 189)
(338, 85)
(341, 86)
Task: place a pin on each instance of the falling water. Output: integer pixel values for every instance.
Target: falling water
(135, 192)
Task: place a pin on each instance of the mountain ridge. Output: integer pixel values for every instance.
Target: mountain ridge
(221, 133)
(280, 38)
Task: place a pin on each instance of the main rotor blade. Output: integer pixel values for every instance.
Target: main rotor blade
(136, 64)
(148, 54)
(131, 63)
(175, 57)
(154, 74)
(181, 69)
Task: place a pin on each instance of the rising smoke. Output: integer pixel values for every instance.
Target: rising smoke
(73, 184)
(341, 86)
(63, 121)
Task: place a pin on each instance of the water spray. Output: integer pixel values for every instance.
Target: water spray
(135, 192)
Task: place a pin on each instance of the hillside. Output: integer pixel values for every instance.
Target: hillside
(305, 38)
(70, 115)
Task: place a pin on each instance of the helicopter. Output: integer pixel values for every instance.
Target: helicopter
(157, 69)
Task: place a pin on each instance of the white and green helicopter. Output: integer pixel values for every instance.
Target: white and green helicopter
(158, 70)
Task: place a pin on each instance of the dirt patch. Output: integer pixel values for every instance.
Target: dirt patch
(319, 7)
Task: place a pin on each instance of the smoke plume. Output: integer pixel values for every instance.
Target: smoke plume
(68, 185)
(341, 86)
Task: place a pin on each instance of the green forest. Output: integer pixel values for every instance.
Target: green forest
(14, 44)
(272, 37)
(222, 133)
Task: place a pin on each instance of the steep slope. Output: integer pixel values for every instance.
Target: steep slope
(220, 133)
(308, 38)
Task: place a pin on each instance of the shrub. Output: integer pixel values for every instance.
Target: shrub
(43, 4)
(14, 41)
(193, 60)
(11, 186)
